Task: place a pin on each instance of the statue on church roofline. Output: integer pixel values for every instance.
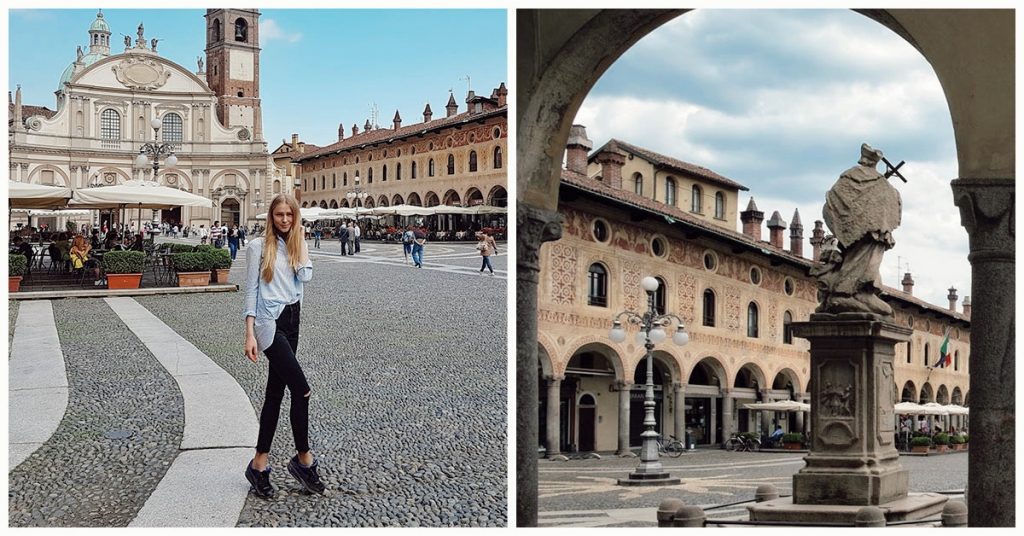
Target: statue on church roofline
(861, 210)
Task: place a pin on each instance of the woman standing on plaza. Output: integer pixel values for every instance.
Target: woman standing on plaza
(277, 265)
(487, 247)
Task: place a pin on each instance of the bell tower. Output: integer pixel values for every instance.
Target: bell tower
(233, 67)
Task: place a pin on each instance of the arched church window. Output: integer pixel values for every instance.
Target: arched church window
(172, 130)
(695, 199)
(472, 160)
(110, 128)
(720, 205)
(241, 30)
(670, 191)
(216, 29)
(497, 158)
(451, 164)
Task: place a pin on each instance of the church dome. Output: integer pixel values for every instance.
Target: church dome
(87, 60)
(99, 25)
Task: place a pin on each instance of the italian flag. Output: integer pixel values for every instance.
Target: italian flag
(945, 358)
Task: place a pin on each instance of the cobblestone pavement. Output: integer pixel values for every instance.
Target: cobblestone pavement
(408, 412)
(80, 477)
(12, 319)
(584, 492)
(408, 374)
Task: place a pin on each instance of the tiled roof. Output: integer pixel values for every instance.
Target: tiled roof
(293, 154)
(671, 163)
(27, 110)
(382, 135)
(626, 197)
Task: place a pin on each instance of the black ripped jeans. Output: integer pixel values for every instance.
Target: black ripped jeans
(285, 372)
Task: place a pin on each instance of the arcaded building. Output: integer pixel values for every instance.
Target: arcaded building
(628, 213)
(107, 97)
(458, 159)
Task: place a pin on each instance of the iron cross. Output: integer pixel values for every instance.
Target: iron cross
(891, 170)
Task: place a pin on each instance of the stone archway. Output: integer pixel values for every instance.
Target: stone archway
(909, 393)
(556, 69)
(230, 212)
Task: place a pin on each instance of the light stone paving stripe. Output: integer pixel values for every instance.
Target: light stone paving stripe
(37, 381)
(204, 486)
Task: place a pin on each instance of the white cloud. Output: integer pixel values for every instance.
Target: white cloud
(270, 30)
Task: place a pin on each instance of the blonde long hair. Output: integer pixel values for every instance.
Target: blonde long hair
(293, 240)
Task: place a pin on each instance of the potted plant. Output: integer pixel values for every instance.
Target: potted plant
(123, 268)
(193, 269)
(793, 441)
(18, 265)
(221, 260)
(182, 248)
(920, 444)
(941, 441)
(958, 442)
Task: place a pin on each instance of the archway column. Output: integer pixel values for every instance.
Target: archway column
(554, 406)
(534, 226)
(679, 417)
(986, 211)
(800, 422)
(728, 402)
(624, 395)
(761, 414)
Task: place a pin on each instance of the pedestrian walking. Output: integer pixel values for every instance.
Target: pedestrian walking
(487, 247)
(317, 233)
(358, 232)
(342, 233)
(419, 240)
(351, 239)
(233, 241)
(407, 239)
(204, 234)
(215, 235)
(277, 266)
(223, 234)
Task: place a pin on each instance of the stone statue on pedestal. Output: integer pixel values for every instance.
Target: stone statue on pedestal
(862, 209)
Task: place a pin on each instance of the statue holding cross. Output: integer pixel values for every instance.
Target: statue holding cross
(862, 210)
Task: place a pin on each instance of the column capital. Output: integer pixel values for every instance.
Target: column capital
(986, 211)
(534, 226)
(621, 385)
(552, 378)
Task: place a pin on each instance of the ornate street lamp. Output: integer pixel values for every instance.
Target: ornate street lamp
(154, 150)
(649, 472)
(356, 194)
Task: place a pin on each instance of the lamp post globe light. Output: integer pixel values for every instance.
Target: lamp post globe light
(650, 471)
(154, 150)
(356, 194)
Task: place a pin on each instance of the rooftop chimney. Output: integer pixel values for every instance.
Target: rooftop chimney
(908, 284)
(796, 235)
(952, 299)
(817, 238)
(967, 306)
(776, 228)
(355, 130)
(341, 131)
(752, 219)
(397, 120)
(367, 127)
(452, 107)
(502, 94)
(611, 167)
(576, 150)
(427, 114)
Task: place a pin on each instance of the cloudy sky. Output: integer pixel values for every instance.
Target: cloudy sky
(317, 67)
(781, 101)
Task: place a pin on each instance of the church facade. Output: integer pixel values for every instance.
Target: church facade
(106, 100)
(735, 292)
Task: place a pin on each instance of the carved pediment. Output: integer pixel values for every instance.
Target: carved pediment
(141, 73)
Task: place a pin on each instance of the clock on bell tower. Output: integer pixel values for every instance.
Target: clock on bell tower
(233, 67)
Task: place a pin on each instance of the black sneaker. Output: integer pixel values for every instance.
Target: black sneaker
(306, 476)
(260, 481)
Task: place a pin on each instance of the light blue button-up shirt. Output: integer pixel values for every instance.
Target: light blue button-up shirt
(265, 301)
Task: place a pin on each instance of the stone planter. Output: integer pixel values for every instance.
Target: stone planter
(193, 279)
(220, 275)
(941, 448)
(959, 446)
(793, 446)
(13, 283)
(119, 281)
(919, 450)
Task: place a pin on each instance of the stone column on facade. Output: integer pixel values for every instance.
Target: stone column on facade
(554, 406)
(679, 417)
(761, 415)
(728, 402)
(713, 423)
(534, 226)
(987, 212)
(799, 424)
(624, 395)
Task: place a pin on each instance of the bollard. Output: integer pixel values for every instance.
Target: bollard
(870, 516)
(688, 516)
(667, 510)
(766, 492)
(954, 514)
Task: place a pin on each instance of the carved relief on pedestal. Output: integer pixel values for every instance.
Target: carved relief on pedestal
(563, 273)
(837, 404)
(631, 287)
(885, 389)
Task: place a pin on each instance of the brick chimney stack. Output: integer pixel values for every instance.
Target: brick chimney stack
(452, 107)
(576, 150)
(752, 219)
(908, 284)
(611, 167)
(341, 131)
(817, 239)
(355, 130)
(967, 306)
(796, 235)
(397, 121)
(427, 114)
(952, 299)
(367, 127)
(502, 94)
(776, 230)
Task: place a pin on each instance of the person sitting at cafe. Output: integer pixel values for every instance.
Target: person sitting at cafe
(111, 241)
(79, 254)
(24, 248)
(94, 240)
(138, 244)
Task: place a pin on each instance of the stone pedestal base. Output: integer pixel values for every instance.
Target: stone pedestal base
(646, 479)
(911, 507)
(834, 487)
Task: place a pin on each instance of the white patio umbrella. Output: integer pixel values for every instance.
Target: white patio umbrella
(934, 408)
(781, 405)
(956, 409)
(488, 209)
(908, 408)
(136, 194)
(404, 210)
(28, 195)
